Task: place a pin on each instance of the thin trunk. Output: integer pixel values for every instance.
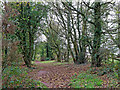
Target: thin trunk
(82, 53)
(78, 26)
(68, 35)
(68, 54)
(30, 55)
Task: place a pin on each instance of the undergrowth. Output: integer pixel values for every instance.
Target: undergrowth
(15, 77)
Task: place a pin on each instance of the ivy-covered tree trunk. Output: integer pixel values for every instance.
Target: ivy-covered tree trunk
(97, 35)
(25, 50)
(23, 37)
(30, 55)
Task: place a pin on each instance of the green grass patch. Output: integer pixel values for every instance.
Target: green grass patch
(60, 63)
(84, 80)
(47, 61)
(54, 62)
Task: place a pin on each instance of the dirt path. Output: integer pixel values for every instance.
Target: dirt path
(56, 76)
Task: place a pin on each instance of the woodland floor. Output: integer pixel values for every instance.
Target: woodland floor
(59, 76)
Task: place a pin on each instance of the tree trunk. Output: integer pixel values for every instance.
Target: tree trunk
(82, 47)
(68, 35)
(59, 56)
(97, 36)
(47, 50)
(23, 41)
(82, 53)
(30, 37)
